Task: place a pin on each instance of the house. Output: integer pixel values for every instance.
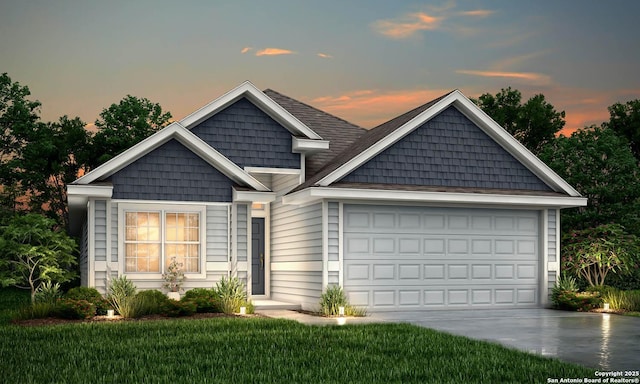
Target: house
(438, 208)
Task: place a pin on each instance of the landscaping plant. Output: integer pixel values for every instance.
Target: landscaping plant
(593, 253)
(174, 277)
(75, 309)
(231, 294)
(48, 292)
(121, 295)
(150, 302)
(91, 295)
(203, 298)
(333, 298)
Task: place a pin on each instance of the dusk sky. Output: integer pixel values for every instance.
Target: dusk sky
(364, 61)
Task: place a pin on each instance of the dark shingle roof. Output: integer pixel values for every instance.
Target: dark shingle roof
(340, 133)
(367, 140)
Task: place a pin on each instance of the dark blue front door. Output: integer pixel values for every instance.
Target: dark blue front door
(257, 256)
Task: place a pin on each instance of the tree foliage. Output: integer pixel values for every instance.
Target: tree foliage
(534, 123)
(600, 165)
(125, 124)
(33, 251)
(593, 253)
(625, 121)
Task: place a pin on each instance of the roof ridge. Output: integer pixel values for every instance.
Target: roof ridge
(314, 108)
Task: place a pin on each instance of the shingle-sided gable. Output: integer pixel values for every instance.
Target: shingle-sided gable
(448, 151)
(171, 172)
(248, 137)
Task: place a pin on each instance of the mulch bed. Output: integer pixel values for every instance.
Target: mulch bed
(117, 318)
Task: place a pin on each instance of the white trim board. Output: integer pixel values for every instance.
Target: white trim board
(476, 115)
(312, 194)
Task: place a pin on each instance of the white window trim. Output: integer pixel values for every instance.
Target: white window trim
(163, 208)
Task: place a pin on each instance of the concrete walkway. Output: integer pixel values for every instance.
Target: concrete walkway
(600, 341)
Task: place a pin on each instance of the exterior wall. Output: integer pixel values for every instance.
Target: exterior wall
(217, 248)
(248, 137)
(83, 259)
(296, 254)
(173, 173)
(553, 249)
(447, 151)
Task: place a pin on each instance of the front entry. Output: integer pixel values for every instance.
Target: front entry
(257, 256)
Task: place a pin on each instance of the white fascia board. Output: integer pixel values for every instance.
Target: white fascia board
(216, 159)
(308, 146)
(130, 155)
(185, 137)
(386, 142)
(262, 101)
(273, 171)
(313, 194)
(254, 197)
(105, 191)
(513, 146)
(482, 120)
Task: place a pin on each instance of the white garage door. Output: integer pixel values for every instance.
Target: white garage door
(440, 258)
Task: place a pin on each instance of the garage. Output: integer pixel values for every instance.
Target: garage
(401, 257)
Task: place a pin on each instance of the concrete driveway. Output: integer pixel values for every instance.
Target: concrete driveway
(600, 341)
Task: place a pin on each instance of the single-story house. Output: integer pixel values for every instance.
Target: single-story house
(438, 208)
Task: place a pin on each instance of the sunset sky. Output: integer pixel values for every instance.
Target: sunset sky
(365, 61)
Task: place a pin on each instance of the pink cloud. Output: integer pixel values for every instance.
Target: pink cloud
(273, 52)
(408, 25)
(246, 49)
(324, 55)
(369, 108)
(527, 77)
(478, 13)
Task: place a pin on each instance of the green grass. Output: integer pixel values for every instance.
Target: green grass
(260, 350)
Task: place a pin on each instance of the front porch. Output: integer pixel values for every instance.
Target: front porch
(266, 304)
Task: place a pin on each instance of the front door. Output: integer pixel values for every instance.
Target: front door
(257, 256)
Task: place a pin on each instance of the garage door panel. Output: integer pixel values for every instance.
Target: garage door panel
(418, 257)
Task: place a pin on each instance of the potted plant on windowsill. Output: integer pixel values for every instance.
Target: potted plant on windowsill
(173, 279)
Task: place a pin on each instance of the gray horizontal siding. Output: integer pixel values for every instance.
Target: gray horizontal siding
(243, 230)
(171, 172)
(334, 278)
(447, 151)
(296, 233)
(114, 232)
(217, 233)
(304, 288)
(552, 244)
(334, 236)
(83, 259)
(248, 137)
(282, 184)
(100, 230)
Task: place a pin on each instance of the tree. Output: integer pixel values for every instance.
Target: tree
(600, 165)
(32, 251)
(18, 116)
(51, 159)
(534, 123)
(594, 252)
(625, 121)
(125, 124)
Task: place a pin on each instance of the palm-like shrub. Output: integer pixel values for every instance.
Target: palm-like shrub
(48, 293)
(121, 296)
(333, 298)
(231, 294)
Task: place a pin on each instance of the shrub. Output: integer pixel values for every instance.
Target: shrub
(563, 284)
(36, 311)
(231, 294)
(48, 293)
(623, 300)
(203, 298)
(174, 277)
(75, 309)
(333, 298)
(577, 301)
(121, 296)
(91, 295)
(175, 308)
(151, 302)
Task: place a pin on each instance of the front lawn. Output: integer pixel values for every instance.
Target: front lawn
(246, 350)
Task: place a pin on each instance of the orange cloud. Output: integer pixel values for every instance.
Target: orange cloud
(478, 13)
(369, 108)
(408, 25)
(528, 77)
(273, 52)
(246, 49)
(324, 55)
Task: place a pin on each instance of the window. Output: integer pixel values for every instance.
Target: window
(153, 238)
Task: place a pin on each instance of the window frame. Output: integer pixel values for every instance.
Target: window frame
(162, 209)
